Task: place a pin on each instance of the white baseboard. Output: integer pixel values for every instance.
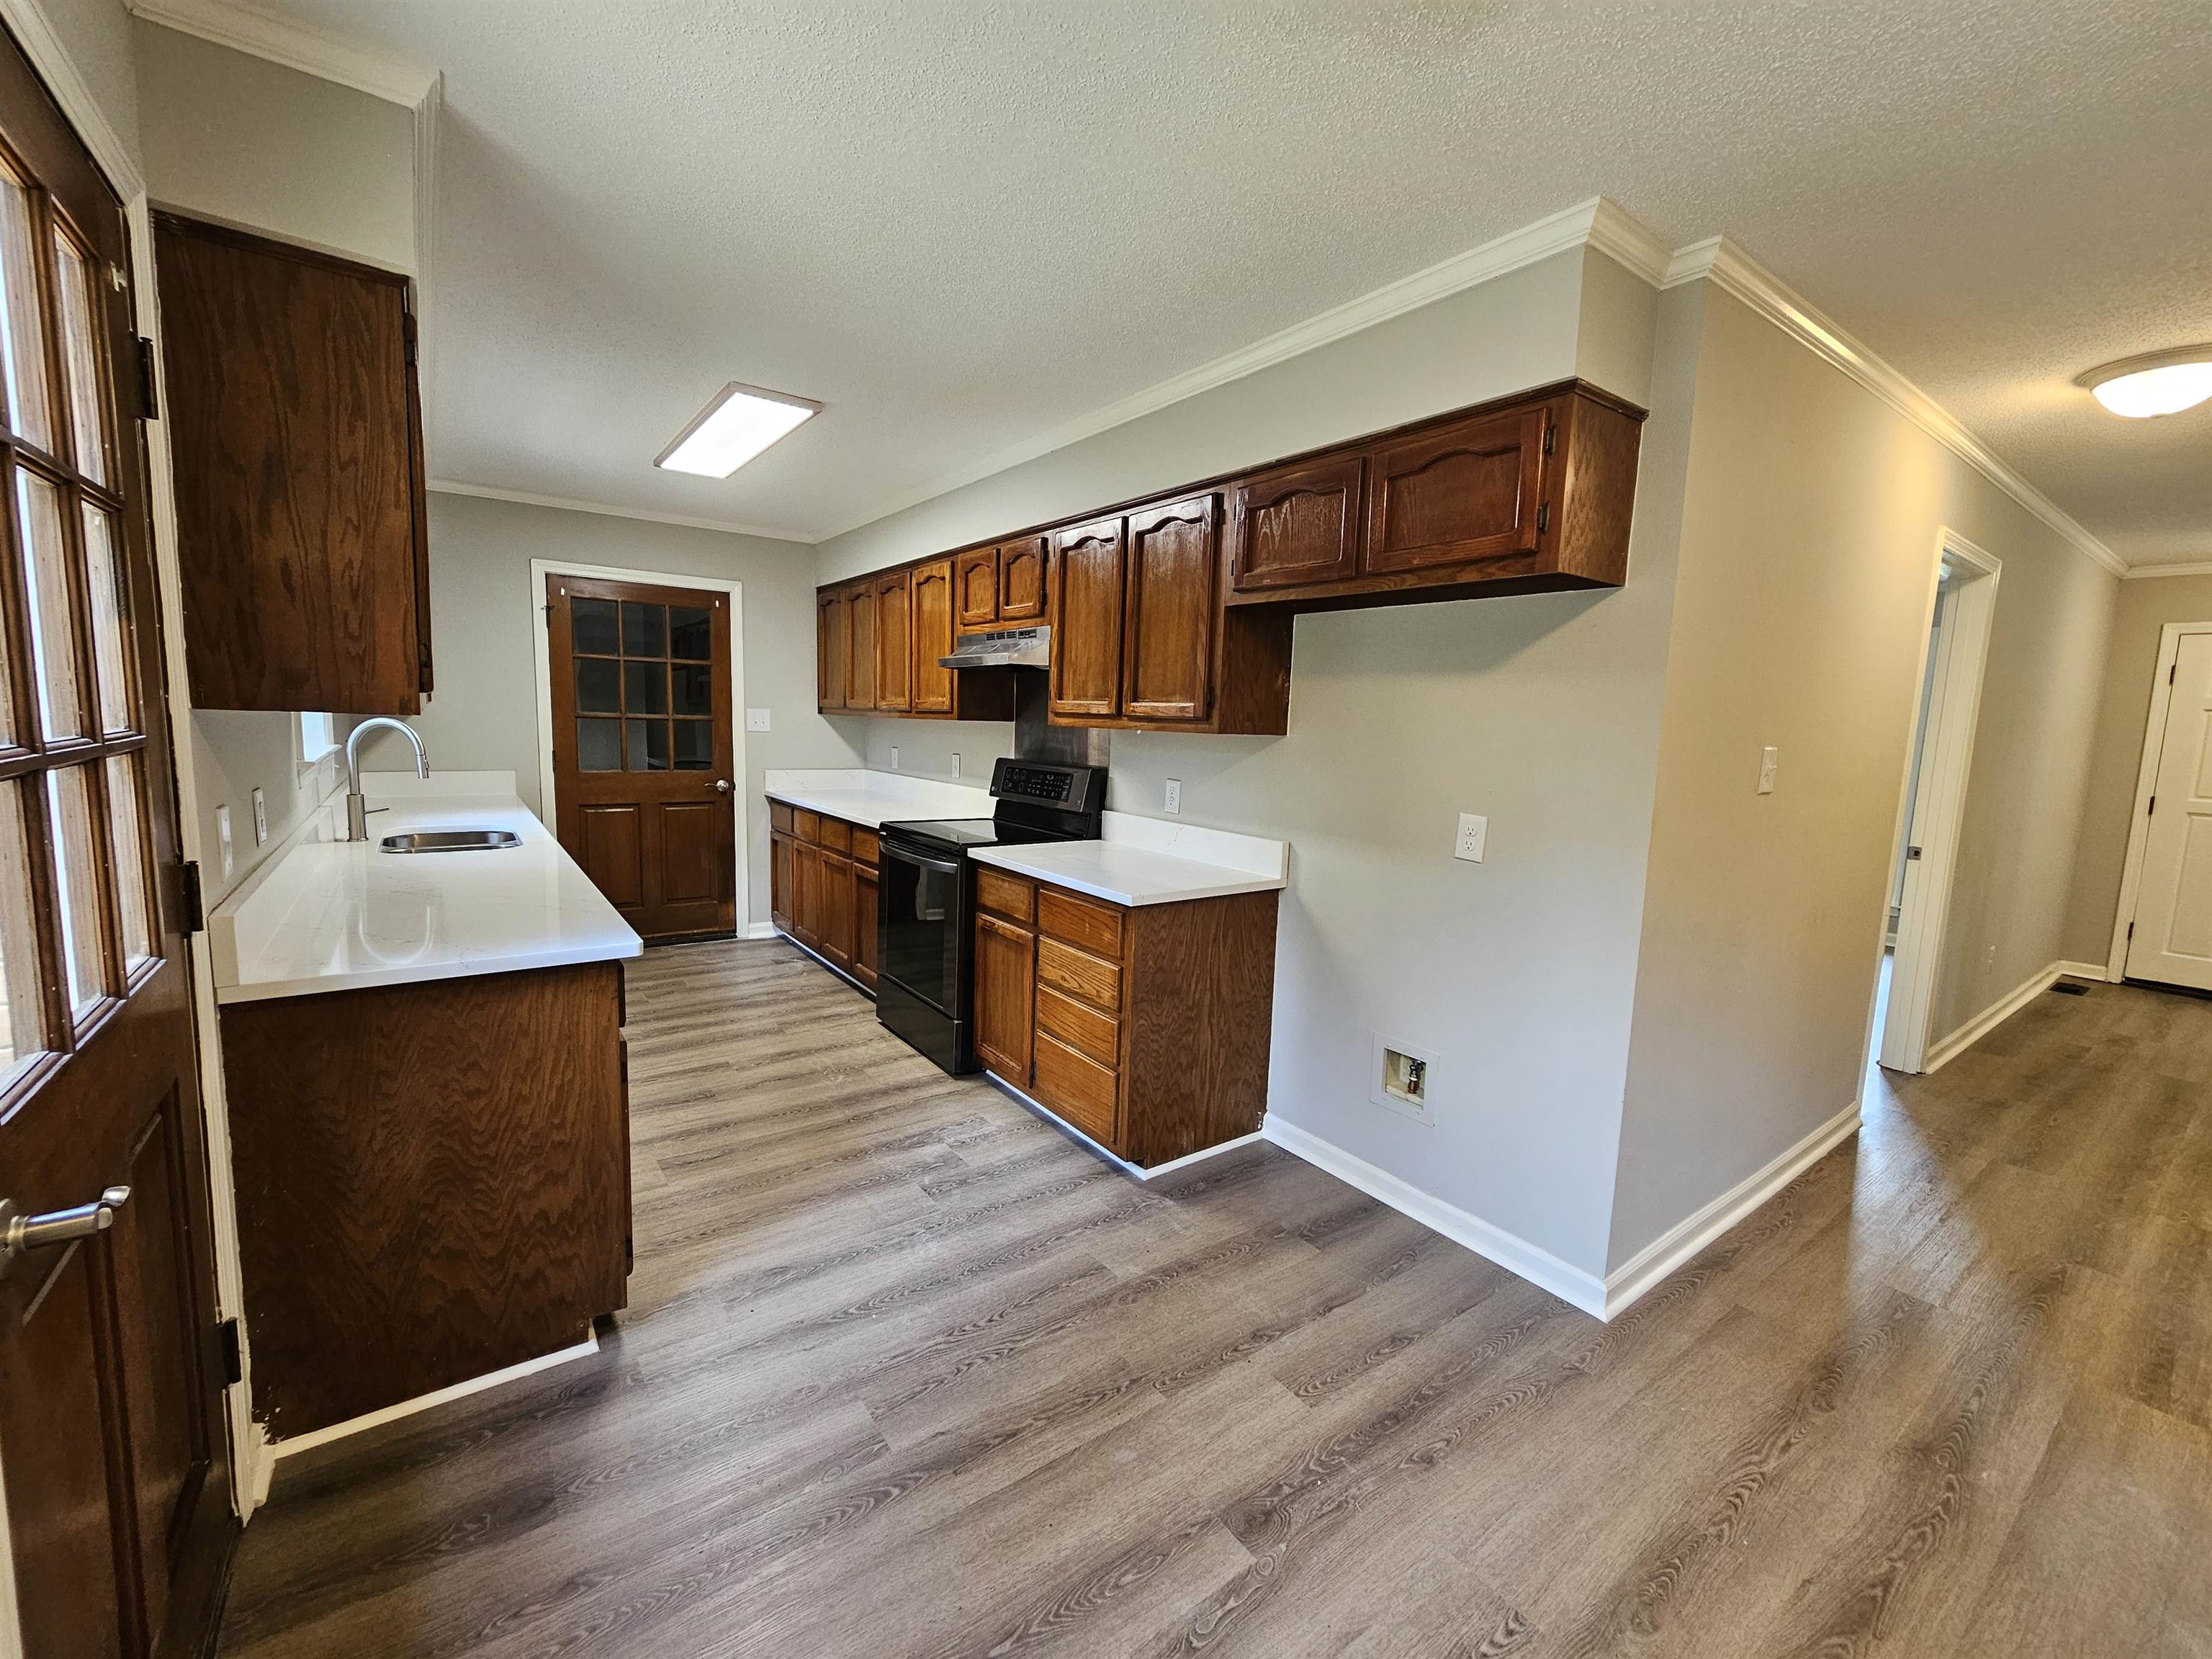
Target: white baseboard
(1038, 1109)
(1995, 1014)
(2098, 971)
(1516, 1255)
(1628, 1283)
(762, 930)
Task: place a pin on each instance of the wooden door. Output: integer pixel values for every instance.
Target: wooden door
(860, 659)
(895, 644)
(642, 750)
(933, 610)
(1087, 598)
(867, 908)
(976, 579)
(1005, 989)
(1296, 525)
(1451, 497)
(1021, 581)
(116, 1471)
(293, 430)
(1168, 621)
(833, 639)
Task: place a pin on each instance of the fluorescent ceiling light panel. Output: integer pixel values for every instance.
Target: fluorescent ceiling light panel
(739, 422)
(2160, 383)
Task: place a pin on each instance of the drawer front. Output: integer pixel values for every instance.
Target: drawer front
(1095, 927)
(1083, 1028)
(838, 834)
(807, 826)
(1003, 895)
(865, 849)
(1079, 1089)
(779, 817)
(1083, 976)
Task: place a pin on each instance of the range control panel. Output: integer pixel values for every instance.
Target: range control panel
(1068, 788)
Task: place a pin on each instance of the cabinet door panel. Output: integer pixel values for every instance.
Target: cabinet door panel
(1006, 980)
(836, 921)
(894, 644)
(861, 670)
(806, 893)
(1169, 621)
(976, 577)
(1451, 497)
(867, 945)
(1296, 525)
(779, 881)
(932, 638)
(1021, 580)
(832, 640)
(1086, 643)
(1080, 1089)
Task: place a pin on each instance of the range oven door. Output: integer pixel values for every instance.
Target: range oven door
(924, 922)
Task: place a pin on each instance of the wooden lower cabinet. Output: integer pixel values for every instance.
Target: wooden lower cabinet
(867, 945)
(781, 851)
(1147, 1029)
(823, 888)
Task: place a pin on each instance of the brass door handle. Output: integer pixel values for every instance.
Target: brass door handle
(20, 1233)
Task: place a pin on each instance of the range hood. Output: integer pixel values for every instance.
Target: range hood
(1006, 648)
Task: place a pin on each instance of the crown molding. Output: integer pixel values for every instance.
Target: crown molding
(1718, 260)
(2195, 567)
(608, 510)
(1596, 222)
(296, 46)
(27, 21)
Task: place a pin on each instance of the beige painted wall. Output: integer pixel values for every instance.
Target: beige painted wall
(1807, 576)
(96, 34)
(482, 610)
(2145, 605)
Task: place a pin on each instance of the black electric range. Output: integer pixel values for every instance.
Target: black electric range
(925, 913)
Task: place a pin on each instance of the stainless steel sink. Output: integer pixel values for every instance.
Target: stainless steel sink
(450, 841)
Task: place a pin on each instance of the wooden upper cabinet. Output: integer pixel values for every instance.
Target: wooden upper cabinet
(931, 604)
(860, 662)
(976, 580)
(1296, 525)
(295, 428)
(1087, 568)
(1169, 620)
(1021, 581)
(1471, 491)
(894, 644)
(832, 642)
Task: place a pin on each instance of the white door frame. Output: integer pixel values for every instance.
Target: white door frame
(542, 658)
(2162, 702)
(1954, 712)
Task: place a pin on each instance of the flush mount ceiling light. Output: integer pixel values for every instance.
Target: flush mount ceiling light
(736, 424)
(2157, 383)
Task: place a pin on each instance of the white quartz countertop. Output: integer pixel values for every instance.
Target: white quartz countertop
(875, 799)
(337, 915)
(1150, 861)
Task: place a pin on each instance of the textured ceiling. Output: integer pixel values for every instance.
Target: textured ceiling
(959, 224)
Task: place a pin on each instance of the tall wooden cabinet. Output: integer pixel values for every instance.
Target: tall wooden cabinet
(294, 425)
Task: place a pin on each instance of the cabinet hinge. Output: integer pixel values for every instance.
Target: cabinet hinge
(407, 333)
(150, 402)
(191, 917)
(2131, 932)
(234, 1361)
(2151, 808)
(1551, 439)
(1543, 517)
(2172, 669)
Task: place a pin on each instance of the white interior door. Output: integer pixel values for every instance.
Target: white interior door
(2171, 939)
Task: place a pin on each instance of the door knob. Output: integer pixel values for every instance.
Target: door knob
(721, 785)
(18, 1233)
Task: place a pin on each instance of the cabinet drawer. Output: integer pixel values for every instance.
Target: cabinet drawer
(864, 847)
(1009, 895)
(1079, 1089)
(1079, 975)
(1095, 927)
(838, 834)
(1084, 1030)
(779, 817)
(807, 826)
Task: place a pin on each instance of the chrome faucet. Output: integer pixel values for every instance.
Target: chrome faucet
(357, 808)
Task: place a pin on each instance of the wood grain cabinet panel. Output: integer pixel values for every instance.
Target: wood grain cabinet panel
(836, 926)
(1470, 492)
(895, 644)
(1081, 975)
(293, 421)
(975, 577)
(1296, 525)
(1005, 978)
(861, 651)
(833, 642)
(1169, 611)
(1021, 581)
(806, 894)
(931, 611)
(1088, 582)
(1085, 923)
(1077, 1088)
(1083, 1028)
(867, 941)
(1009, 896)
(780, 879)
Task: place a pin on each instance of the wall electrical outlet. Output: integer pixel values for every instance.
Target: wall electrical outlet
(223, 835)
(1769, 758)
(1174, 802)
(894, 757)
(955, 766)
(1474, 837)
(756, 719)
(260, 819)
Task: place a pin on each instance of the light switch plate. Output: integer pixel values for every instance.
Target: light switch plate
(955, 766)
(894, 757)
(1769, 758)
(260, 819)
(756, 719)
(1474, 837)
(1174, 795)
(223, 835)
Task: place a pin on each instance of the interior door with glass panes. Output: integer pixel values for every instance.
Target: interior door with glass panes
(643, 751)
(111, 1367)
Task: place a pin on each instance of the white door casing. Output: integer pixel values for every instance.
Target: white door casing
(2171, 939)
